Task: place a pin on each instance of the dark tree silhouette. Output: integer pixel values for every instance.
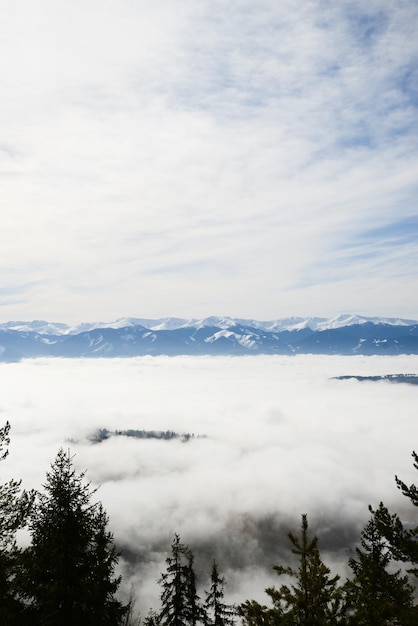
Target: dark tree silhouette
(15, 506)
(403, 541)
(180, 605)
(377, 596)
(68, 578)
(314, 600)
(217, 613)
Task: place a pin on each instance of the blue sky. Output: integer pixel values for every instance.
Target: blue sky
(252, 159)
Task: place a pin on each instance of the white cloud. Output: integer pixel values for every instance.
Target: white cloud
(196, 153)
(281, 439)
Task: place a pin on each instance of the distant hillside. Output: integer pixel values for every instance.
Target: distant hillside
(408, 379)
(129, 337)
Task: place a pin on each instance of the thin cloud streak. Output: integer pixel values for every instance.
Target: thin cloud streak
(281, 438)
(286, 132)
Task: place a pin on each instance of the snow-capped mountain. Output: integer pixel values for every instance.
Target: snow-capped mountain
(172, 323)
(126, 337)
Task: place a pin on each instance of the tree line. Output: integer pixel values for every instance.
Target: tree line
(102, 434)
(66, 576)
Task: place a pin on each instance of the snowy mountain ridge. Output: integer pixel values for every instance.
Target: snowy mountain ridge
(130, 337)
(173, 323)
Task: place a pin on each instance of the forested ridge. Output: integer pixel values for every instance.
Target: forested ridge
(67, 574)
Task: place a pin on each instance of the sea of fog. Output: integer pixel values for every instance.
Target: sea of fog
(274, 437)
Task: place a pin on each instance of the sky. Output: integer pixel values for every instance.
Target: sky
(193, 157)
(275, 437)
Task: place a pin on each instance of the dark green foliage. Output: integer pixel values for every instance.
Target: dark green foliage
(174, 581)
(194, 611)
(67, 575)
(102, 583)
(217, 613)
(403, 542)
(314, 600)
(409, 379)
(255, 614)
(381, 597)
(180, 604)
(377, 596)
(12, 608)
(68, 578)
(15, 506)
(103, 433)
(14, 503)
(411, 492)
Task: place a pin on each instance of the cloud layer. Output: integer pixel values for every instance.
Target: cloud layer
(197, 158)
(281, 439)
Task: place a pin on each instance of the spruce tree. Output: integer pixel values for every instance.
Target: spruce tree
(15, 506)
(194, 610)
(377, 596)
(180, 604)
(255, 614)
(69, 566)
(102, 583)
(314, 600)
(217, 613)
(403, 541)
(14, 503)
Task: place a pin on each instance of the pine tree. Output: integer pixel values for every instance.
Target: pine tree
(194, 612)
(14, 503)
(69, 566)
(15, 506)
(216, 611)
(180, 604)
(102, 583)
(403, 542)
(377, 596)
(315, 599)
(255, 614)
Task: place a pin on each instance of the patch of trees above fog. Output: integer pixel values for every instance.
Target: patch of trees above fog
(409, 379)
(101, 434)
(66, 576)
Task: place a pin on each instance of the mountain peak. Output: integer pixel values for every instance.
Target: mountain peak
(132, 336)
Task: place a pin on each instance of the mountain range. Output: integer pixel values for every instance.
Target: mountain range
(128, 337)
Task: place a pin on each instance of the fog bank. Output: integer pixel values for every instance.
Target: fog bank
(274, 437)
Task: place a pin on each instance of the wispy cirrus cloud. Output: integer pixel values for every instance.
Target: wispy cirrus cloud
(395, 233)
(261, 136)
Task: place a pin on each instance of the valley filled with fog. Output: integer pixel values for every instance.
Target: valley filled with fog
(274, 437)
